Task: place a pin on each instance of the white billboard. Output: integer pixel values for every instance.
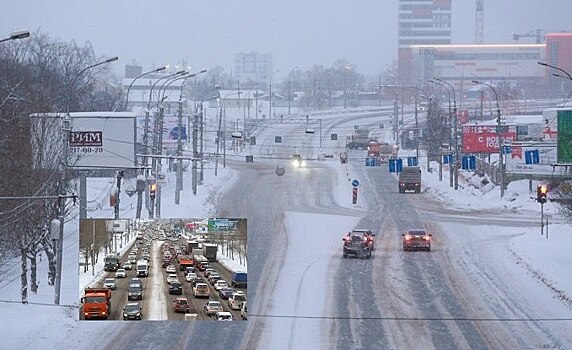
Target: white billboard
(96, 139)
(170, 130)
(516, 159)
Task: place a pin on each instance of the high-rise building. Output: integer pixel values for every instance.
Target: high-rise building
(254, 67)
(421, 22)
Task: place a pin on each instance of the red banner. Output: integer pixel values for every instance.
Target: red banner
(484, 138)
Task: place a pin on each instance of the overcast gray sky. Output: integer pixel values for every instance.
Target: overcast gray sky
(297, 32)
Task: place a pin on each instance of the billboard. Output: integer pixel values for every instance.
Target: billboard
(170, 130)
(96, 139)
(484, 138)
(564, 138)
(515, 160)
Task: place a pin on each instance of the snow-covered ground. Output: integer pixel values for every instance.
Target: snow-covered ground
(42, 325)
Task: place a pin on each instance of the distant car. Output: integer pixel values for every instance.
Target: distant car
(220, 284)
(201, 290)
(136, 280)
(356, 245)
(235, 300)
(181, 305)
(243, 311)
(120, 273)
(176, 288)
(132, 311)
(208, 271)
(128, 266)
(416, 239)
(223, 316)
(367, 235)
(134, 292)
(212, 307)
(226, 292)
(133, 259)
(146, 256)
(213, 277)
(109, 283)
(189, 277)
(166, 262)
(203, 266)
(171, 269)
(189, 269)
(172, 277)
(197, 281)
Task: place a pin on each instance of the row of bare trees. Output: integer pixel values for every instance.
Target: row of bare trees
(35, 77)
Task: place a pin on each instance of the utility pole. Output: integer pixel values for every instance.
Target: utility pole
(201, 179)
(179, 185)
(158, 164)
(195, 153)
(218, 133)
(118, 192)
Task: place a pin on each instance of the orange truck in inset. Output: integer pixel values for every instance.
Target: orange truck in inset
(96, 303)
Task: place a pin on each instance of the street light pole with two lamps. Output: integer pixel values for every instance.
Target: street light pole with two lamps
(270, 94)
(499, 136)
(66, 129)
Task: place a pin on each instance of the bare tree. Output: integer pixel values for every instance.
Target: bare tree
(36, 76)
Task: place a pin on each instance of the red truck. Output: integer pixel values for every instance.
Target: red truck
(185, 261)
(96, 303)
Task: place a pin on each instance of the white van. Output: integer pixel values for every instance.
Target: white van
(142, 268)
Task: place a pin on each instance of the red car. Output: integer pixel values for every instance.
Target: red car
(181, 305)
(417, 239)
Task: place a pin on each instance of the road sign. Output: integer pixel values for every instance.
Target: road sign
(411, 161)
(355, 183)
(395, 165)
(447, 159)
(531, 157)
(354, 195)
(469, 162)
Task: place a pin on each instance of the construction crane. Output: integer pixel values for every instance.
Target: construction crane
(532, 34)
(479, 21)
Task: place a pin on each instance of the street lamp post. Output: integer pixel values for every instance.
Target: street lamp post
(435, 82)
(66, 129)
(139, 76)
(499, 136)
(16, 35)
(270, 94)
(200, 98)
(456, 135)
(221, 133)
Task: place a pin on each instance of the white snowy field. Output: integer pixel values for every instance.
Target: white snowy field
(531, 257)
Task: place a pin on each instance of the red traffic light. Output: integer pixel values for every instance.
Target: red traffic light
(541, 193)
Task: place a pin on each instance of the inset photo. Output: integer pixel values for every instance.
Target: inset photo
(163, 269)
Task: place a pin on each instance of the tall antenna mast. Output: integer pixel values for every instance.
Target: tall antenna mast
(479, 13)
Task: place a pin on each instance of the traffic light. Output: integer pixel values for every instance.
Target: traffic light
(153, 190)
(541, 193)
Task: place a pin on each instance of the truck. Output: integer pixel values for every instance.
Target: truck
(410, 179)
(111, 262)
(185, 261)
(200, 262)
(96, 303)
(192, 245)
(359, 139)
(142, 268)
(209, 251)
(239, 279)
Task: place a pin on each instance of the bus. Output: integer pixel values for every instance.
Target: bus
(111, 262)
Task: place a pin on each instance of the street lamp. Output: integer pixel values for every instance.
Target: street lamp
(554, 67)
(456, 139)
(270, 94)
(289, 90)
(221, 133)
(16, 35)
(62, 190)
(499, 135)
(139, 76)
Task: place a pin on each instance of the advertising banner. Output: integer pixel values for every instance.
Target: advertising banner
(516, 159)
(484, 138)
(564, 138)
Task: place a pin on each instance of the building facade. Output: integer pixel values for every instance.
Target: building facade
(420, 22)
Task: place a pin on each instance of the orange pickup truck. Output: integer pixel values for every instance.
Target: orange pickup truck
(96, 303)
